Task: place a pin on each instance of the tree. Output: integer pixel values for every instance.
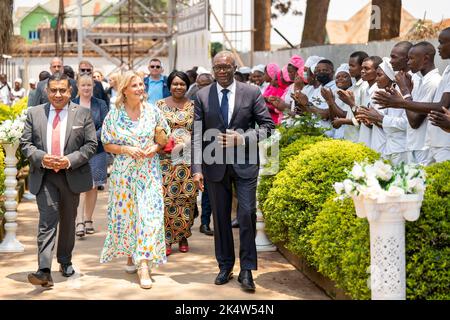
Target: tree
(314, 31)
(263, 25)
(385, 19)
(6, 25)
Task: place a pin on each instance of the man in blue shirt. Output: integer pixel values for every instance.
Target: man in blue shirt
(156, 84)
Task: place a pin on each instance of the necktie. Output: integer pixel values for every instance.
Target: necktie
(224, 106)
(56, 146)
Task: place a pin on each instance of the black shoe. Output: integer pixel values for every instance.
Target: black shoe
(206, 230)
(246, 280)
(101, 188)
(235, 223)
(223, 277)
(67, 269)
(41, 278)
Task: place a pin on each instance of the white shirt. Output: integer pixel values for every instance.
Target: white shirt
(231, 97)
(318, 101)
(62, 131)
(365, 133)
(358, 90)
(395, 123)
(436, 137)
(5, 94)
(423, 91)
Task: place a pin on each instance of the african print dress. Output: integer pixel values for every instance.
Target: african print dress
(180, 193)
(135, 203)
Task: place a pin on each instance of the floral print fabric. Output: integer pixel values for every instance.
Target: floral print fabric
(135, 204)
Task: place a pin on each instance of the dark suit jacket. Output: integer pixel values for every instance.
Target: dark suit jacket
(99, 110)
(80, 145)
(249, 110)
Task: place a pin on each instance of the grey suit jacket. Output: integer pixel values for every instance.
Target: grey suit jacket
(80, 145)
(249, 110)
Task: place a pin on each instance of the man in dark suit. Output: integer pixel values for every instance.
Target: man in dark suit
(225, 152)
(58, 140)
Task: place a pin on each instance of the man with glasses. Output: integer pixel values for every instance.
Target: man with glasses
(85, 67)
(156, 84)
(59, 138)
(40, 97)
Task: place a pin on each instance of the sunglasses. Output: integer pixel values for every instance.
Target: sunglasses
(153, 67)
(86, 70)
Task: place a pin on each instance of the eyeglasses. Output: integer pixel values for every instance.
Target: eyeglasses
(224, 67)
(153, 67)
(85, 70)
(55, 90)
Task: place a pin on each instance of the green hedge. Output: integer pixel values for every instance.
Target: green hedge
(301, 212)
(301, 189)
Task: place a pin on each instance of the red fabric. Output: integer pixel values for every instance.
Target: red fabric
(169, 146)
(56, 146)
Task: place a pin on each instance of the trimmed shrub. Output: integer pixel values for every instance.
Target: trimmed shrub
(300, 190)
(428, 240)
(285, 155)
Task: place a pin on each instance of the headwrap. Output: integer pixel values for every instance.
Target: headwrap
(272, 70)
(297, 62)
(285, 74)
(386, 66)
(343, 68)
(32, 81)
(18, 80)
(312, 60)
(244, 70)
(259, 67)
(201, 70)
(314, 65)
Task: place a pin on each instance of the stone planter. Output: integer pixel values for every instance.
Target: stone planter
(386, 216)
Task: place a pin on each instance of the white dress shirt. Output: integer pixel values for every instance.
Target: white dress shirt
(231, 97)
(436, 137)
(423, 91)
(394, 125)
(62, 131)
(365, 133)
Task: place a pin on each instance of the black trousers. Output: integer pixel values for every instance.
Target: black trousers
(56, 204)
(220, 195)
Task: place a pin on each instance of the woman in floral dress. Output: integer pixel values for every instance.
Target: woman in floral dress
(180, 193)
(135, 204)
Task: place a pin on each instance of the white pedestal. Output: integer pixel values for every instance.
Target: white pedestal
(387, 217)
(10, 243)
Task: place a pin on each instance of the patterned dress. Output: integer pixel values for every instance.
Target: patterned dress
(180, 193)
(135, 204)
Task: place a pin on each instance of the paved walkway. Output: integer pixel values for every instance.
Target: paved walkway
(186, 275)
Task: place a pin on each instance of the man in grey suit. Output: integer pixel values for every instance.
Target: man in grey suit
(40, 95)
(58, 140)
(225, 152)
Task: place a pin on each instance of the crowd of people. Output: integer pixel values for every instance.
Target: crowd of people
(147, 125)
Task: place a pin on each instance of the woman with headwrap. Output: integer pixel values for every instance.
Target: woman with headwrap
(279, 82)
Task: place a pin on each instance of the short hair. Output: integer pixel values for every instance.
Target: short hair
(85, 62)
(180, 74)
(205, 75)
(192, 73)
(156, 60)
(67, 70)
(360, 55)
(44, 75)
(226, 54)
(404, 45)
(85, 76)
(376, 60)
(427, 46)
(58, 77)
(326, 61)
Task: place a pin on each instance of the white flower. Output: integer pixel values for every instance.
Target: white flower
(415, 185)
(357, 171)
(339, 187)
(349, 187)
(395, 191)
(383, 171)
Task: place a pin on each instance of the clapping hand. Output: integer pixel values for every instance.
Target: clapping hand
(337, 122)
(404, 81)
(327, 94)
(347, 97)
(390, 98)
(441, 119)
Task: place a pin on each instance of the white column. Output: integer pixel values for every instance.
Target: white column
(262, 241)
(386, 217)
(10, 243)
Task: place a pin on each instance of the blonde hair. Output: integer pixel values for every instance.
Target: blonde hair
(125, 81)
(83, 77)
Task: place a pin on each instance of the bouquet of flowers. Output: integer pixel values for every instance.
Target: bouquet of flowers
(380, 180)
(11, 130)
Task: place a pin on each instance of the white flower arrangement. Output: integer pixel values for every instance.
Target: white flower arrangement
(11, 130)
(380, 180)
